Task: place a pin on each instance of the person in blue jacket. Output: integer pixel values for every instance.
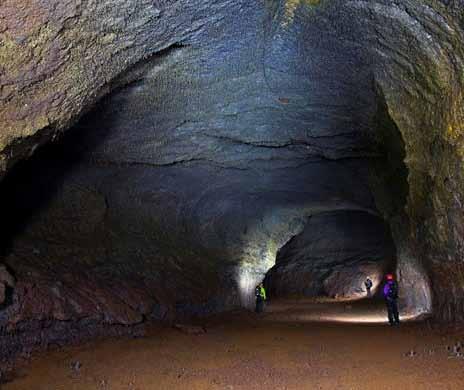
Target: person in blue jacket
(390, 293)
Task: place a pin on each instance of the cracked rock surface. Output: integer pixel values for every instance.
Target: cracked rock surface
(226, 130)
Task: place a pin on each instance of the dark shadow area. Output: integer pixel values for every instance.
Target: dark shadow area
(30, 185)
(389, 173)
(9, 291)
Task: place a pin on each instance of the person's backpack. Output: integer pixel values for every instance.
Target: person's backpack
(390, 290)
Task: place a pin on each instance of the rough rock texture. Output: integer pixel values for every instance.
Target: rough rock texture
(199, 170)
(333, 256)
(7, 281)
(418, 55)
(58, 58)
(230, 124)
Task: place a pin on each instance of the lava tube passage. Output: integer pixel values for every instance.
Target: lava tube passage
(231, 194)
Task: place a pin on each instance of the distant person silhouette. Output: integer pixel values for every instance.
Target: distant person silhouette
(390, 293)
(260, 293)
(368, 284)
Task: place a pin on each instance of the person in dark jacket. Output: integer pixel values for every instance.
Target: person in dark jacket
(390, 293)
(368, 284)
(260, 293)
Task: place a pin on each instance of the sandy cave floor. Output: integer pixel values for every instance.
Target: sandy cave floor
(281, 349)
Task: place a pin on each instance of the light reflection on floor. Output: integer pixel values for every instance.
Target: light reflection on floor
(357, 312)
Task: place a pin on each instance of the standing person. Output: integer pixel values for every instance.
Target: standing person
(390, 293)
(368, 284)
(260, 293)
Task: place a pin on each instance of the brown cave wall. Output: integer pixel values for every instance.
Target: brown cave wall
(390, 186)
(423, 93)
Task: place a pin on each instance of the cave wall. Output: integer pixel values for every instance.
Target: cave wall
(58, 59)
(419, 66)
(192, 176)
(333, 256)
(231, 124)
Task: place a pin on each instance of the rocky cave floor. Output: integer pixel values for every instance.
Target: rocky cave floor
(282, 349)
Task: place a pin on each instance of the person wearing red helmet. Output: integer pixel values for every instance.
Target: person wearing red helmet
(390, 293)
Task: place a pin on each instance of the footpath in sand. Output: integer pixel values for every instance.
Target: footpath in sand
(293, 346)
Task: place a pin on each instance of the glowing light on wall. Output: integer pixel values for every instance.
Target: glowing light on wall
(292, 5)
